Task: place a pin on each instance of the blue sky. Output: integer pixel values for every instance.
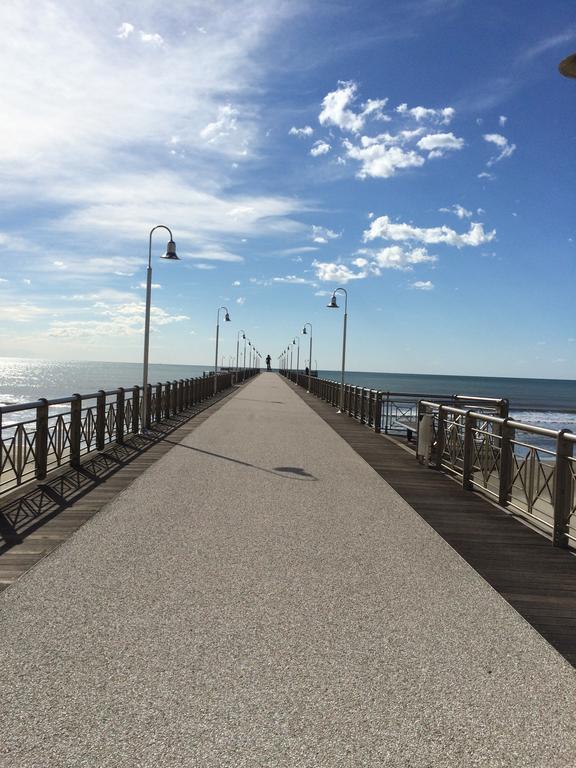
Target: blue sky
(421, 154)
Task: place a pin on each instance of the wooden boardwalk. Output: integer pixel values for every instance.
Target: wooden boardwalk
(537, 579)
(39, 517)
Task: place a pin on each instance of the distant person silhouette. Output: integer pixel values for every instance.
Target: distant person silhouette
(268, 359)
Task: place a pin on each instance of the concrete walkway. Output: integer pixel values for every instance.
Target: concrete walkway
(261, 597)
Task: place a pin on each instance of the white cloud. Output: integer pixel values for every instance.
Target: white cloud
(442, 116)
(213, 254)
(438, 143)
(125, 30)
(293, 280)
(153, 38)
(502, 120)
(459, 211)
(122, 101)
(320, 148)
(382, 227)
(374, 108)
(395, 257)
(126, 204)
(302, 249)
(423, 285)
(506, 149)
(225, 124)
(335, 109)
(336, 273)
(322, 235)
(203, 266)
(236, 283)
(105, 295)
(22, 312)
(379, 160)
(241, 300)
(121, 320)
(307, 130)
(384, 154)
(485, 175)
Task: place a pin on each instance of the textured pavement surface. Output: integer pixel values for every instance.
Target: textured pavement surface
(261, 597)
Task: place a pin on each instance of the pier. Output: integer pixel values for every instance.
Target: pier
(280, 585)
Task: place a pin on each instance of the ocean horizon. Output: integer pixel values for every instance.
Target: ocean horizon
(544, 402)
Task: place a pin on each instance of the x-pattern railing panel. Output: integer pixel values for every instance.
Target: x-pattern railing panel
(58, 439)
(128, 407)
(88, 428)
(485, 454)
(110, 421)
(18, 454)
(454, 442)
(532, 479)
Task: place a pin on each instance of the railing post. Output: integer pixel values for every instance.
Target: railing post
(136, 409)
(167, 398)
(41, 439)
(440, 437)
(505, 480)
(181, 395)
(378, 412)
(158, 415)
(120, 399)
(174, 397)
(100, 420)
(387, 414)
(75, 429)
(563, 490)
(468, 452)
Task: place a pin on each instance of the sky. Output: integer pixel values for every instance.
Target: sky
(419, 154)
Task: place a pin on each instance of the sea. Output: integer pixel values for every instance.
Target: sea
(547, 403)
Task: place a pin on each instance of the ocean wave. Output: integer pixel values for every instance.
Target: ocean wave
(9, 399)
(549, 419)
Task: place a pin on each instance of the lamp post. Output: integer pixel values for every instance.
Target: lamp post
(227, 319)
(243, 332)
(310, 354)
(334, 305)
(297, 342)
(172, 256)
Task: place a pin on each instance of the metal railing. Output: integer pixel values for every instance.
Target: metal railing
(390, 412)
(48, 434)
(526, 469)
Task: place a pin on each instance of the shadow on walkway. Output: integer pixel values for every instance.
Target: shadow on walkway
(300, 474)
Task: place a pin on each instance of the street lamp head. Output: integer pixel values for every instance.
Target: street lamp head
(304, 330)
(567, 66)
(171, 252)
(333, 304)
(227, 317)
